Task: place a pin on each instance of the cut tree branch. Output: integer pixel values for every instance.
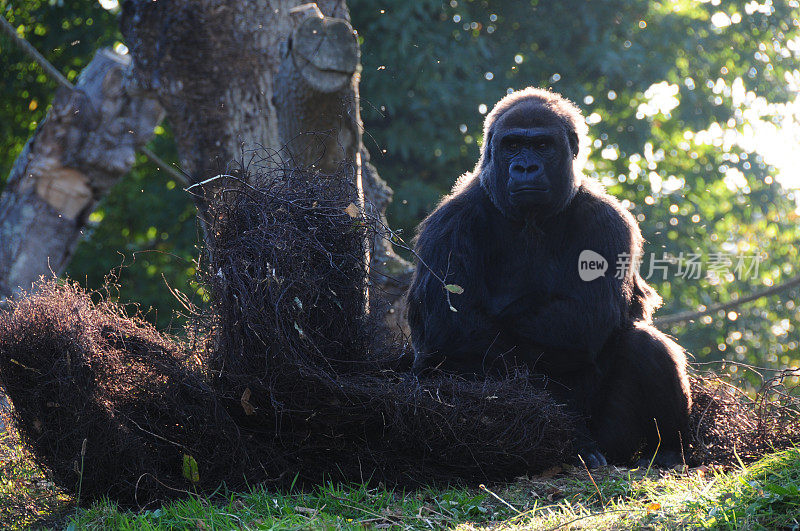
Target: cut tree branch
(87, 142)
(692, 315)
(59, 78)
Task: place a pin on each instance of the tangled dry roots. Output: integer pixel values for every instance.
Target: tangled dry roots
(285, 379)
(728, 426)
(106, 403)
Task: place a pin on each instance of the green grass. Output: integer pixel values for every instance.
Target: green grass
(764, 495)
(26, 495)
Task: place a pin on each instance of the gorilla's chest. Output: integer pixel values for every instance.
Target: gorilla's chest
(533, 270)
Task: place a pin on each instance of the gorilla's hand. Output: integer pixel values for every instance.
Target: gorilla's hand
(593, 458)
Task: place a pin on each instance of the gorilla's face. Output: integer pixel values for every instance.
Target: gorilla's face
(530, 161)
(526, 155)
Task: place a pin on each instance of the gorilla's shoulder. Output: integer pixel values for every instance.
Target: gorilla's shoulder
(467, 206)
(601, 213)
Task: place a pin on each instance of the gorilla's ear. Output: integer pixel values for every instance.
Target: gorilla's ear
(574, 142)
(487, 146)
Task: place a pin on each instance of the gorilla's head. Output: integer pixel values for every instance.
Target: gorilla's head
(531, 139)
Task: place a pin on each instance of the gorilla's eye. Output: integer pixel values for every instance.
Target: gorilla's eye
(514, 145)
(542, 143)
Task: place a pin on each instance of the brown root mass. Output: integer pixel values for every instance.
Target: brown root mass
(284, 380)
(729, 427)
(288, 381)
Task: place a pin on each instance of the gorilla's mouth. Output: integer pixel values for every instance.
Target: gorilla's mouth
(529, 189)
(529, 193)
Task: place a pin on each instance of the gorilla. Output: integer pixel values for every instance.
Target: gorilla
(498, 285)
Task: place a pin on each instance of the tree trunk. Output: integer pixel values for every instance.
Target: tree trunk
(87, 142)
(232, 76)
(237, 76)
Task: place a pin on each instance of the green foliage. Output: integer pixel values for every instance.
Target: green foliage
(765, 495)
(665, 89)
(27, 496)
(67, 33)
(425, 83)
(190, 469)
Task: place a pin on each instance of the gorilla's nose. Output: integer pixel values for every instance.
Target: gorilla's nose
(523, 169)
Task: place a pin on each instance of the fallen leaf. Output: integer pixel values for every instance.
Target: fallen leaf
(702, 470)
(550, 472)
(246, 405)
(352, 210)
(554, 493)
(653, 507)
(190, 469)
(454, 288)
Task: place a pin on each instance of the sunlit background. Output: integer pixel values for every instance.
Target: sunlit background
(694, 120)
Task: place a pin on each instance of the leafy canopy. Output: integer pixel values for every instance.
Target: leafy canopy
(676, 93)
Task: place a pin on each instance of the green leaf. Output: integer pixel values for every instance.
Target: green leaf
(454, 288)
(190, 469)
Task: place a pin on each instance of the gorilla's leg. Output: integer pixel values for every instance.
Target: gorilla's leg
(577, 390)
(644, 401)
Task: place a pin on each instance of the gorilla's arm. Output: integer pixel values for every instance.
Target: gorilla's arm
(456, 340)
(569, 328)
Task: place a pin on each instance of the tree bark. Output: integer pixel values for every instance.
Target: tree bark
(316, 93)
(237, 76)
(87, 142)
(318, 109)
(232, 76)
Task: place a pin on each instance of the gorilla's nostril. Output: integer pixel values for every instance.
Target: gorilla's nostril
(532, 168)
(525, 168)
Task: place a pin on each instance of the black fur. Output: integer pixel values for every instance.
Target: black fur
(510, 235)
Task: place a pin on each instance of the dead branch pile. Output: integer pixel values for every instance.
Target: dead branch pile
(105, 403)
(728, 426)
(287, 380)
(283, 379)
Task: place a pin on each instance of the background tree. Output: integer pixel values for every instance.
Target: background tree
(234, 78)
(68, 33)
(671, 90)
